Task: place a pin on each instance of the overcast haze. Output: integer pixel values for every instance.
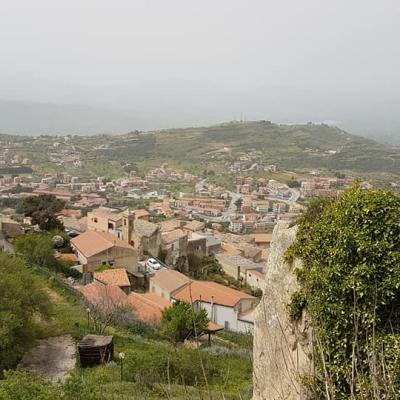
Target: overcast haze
(152, 63)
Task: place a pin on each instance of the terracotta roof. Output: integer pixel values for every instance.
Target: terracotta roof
(169, 279)
(141, 213)
(230, 249)
(147, 306)
(210, 292)
(262, 237)
(90, 243)
(173, 236)
(194, 225)
(115, 276)
(170, 225)
(103, 297)
(110, 213)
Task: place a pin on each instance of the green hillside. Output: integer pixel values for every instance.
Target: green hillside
(290, 147)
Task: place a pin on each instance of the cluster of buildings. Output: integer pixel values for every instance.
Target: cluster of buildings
(324, 187)
(124, 240)
(165, 174)
(10, 158)
(227, 308)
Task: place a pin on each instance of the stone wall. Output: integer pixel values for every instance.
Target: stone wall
(282, 349)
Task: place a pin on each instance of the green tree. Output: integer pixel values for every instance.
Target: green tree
(43, 209)
(181, 321)
(350, 286)
(238, 204)
(293, 184)
(22, 299)
(37, 249)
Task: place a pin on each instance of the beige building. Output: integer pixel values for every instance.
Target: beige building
(166, 282)
(237, 266)
(95, 248)
(174, 244)
(104, 219)
(144, 236)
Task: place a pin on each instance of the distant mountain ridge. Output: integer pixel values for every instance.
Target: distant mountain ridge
(45, 108)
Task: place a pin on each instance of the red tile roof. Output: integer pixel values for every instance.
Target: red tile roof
(114, 276)
(103, 297)
(261, 237)
(141, 213)
(211, 292)
(147, 307)
(172, 236)
(90, 243)
(230, 249)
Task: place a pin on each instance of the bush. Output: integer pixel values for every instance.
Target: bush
(298, 303)
(181, 321)
(350, 286)
(24, 386)
(22, 300)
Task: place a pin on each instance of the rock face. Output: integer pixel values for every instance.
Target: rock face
(282, 349)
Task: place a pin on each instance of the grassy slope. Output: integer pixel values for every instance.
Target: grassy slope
(189, 149)
(232, 365)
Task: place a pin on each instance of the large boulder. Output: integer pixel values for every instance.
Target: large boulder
(282, 349)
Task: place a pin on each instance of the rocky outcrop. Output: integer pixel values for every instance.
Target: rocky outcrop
(282, 349)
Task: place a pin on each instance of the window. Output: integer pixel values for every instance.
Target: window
(227, 325)
(95, 220)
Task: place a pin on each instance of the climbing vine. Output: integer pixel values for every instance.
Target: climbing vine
(350, 286)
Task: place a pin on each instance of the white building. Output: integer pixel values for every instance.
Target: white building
(226, 307)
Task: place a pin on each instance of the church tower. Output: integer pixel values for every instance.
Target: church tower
(128, 218)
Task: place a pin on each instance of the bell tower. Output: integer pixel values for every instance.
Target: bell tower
(128, 218)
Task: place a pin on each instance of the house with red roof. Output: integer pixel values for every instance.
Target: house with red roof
(226, 307)
(94, 248)
(148, 307)
(115, 277)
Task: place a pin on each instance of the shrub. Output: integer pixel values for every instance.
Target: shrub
(181, 321)
(22, 299)
(350, 285)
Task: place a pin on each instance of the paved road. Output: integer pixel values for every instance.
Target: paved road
(295, 194)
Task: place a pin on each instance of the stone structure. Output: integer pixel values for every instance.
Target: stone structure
(282, 349)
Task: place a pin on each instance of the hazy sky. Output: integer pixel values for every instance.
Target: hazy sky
(321, 44)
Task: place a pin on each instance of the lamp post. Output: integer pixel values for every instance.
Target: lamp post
(121, 357)
(88, 317)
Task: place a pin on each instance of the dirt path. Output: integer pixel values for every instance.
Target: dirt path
(53, 358)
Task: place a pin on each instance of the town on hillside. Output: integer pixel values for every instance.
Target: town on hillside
(166, 232)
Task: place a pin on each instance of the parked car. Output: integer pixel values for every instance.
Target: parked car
(152, 263)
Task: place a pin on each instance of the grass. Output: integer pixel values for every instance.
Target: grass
(153, 367)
